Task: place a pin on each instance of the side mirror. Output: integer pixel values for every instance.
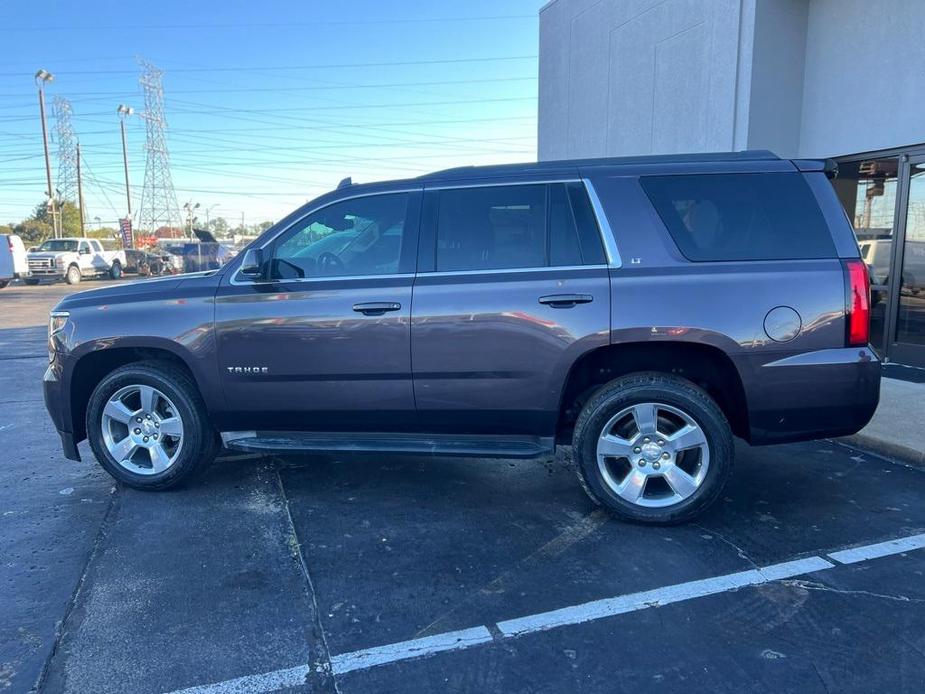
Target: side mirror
(252, 264)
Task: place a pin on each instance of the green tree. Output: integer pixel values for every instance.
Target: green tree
(70, 217)
(33, 231)
(218, 226)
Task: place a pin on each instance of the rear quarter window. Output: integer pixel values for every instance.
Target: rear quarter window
(717, 217)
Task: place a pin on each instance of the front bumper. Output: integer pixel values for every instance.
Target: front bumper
(55, 402)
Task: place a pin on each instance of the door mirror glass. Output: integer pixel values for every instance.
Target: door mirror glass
(252, 264)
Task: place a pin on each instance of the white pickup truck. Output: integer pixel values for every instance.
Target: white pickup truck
(72, 260)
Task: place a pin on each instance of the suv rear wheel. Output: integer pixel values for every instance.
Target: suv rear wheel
(653, 448)
(148, 427)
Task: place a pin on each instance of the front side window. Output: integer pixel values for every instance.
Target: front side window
(58, 245)
(84, 247)
(357, 237)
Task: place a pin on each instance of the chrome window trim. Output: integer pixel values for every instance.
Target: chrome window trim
(336, 278)
(505, 271)
(234, 276)
(603, 225)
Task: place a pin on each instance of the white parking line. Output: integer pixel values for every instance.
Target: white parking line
(266, 682)
(881, 549)
(608, 607)
(393, 652)
(576, 614)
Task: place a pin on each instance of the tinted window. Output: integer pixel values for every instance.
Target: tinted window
(491, 228)
(770, 216)
(362, 236)
(564, 248)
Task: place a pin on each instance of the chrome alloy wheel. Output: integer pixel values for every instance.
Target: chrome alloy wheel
(142, 429)
(653, 455)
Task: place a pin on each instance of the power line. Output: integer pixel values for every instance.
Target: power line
(319, 66)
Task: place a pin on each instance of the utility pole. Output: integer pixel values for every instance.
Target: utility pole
(124, 112)
(80, 195)
(42, 77)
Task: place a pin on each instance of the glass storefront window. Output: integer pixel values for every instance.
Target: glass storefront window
(868, 190)
(910, 323)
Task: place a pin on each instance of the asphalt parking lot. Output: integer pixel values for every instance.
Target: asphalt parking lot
(392, 574)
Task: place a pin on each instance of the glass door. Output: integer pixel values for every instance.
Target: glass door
(909, 325)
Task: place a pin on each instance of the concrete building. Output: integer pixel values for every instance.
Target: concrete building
(841, 79)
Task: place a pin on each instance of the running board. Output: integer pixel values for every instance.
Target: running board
(414, 444)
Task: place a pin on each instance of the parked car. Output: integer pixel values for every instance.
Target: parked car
(12, 259)
(642, 310)
(72, 260)
(148, 263)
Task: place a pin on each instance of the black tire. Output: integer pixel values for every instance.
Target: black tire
(72, 276)
(115, 272)
(3, 283)
(31, 283)
(200, 442)
(664, 389)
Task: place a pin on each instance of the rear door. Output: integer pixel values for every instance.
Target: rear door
(512, 289)
(323, 342)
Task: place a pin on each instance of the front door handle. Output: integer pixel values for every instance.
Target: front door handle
(376, 308)
(566, 300)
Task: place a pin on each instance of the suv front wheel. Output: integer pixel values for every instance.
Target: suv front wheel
(653, 448)
(148, 426)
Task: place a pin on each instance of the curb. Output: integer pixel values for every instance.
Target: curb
(905, 454)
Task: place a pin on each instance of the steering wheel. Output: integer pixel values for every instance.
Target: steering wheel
(327, 262)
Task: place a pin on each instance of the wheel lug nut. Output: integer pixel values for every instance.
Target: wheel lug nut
(157, 425)
(137, 431)
(656, 465)
(642, 463)
(138, 419)
(147, 416)
(661, 443)
(145, 439)
(155, 437)
(666, 455)
(637, 450)
(646, 439)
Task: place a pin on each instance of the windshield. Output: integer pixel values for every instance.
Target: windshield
(59, 245)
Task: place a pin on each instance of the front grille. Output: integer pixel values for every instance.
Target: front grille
(41, 263)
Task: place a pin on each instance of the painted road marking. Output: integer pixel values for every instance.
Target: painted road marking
(597, 609)
(608, 607)
(370, 657)
(267, 682)
(881, 549)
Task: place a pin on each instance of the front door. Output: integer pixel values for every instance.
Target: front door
(512, 288)
(322, 342)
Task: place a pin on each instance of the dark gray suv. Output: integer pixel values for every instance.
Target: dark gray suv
(642, 310)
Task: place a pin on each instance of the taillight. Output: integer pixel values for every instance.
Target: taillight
(858, 303)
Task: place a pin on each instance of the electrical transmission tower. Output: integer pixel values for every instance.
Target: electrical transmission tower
(67, 151)
(158, 199)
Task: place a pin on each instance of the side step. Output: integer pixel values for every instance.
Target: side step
(414, 444)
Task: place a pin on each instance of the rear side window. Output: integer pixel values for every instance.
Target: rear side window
(716, 217)
(516, 226)
(491, 228)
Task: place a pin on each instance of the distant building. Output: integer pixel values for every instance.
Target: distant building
(804, 78)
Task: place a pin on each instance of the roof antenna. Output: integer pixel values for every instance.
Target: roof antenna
(345, 183)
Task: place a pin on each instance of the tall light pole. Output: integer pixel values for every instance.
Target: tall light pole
(43, 77)
(190, 206)
(124, 112)
(208, 210)
(80, 195)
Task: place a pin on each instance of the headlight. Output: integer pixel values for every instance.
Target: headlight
(56, 322)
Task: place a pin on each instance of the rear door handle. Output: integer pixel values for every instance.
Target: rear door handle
(566, 300)
(376, 308)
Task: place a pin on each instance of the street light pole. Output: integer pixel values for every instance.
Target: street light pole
(124, 112)
(42, 77)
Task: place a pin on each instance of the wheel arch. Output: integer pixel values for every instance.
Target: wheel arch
(93, 366)
(707, 366)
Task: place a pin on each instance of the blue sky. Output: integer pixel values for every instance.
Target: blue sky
(269, 103)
